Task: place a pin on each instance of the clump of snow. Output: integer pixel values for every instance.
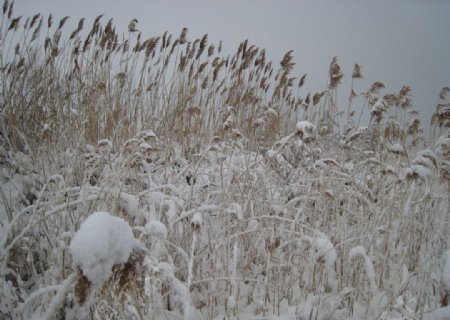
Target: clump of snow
(325, 249)
(396, 148)
(156, 228)
(130, 204)
(426, 158)
(148, 134)
(305, 130)
(197, 219)
(101, 242)
(105, 144)
(417, 170)
(144, 146)
(368, 265)
(305, 126)
(326, 252)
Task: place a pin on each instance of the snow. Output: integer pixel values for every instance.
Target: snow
(59, 298)
(446, 270)
(252, 225)
(101, 242)
(368, 265)
(396, 148)
(353, 136)
(438, 314)
(419, 170)
(378, 106)
(105, 144)
(236, 209)
(148, 134)
(144, 146)
(130, 204)
(197, 219)
(306, 128)
(326, 250)
(325, 163)
(156, 228)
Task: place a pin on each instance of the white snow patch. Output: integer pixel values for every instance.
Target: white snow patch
(197, 219)
(156, 228)
(438, 314)
(101, 242)
(130, 204)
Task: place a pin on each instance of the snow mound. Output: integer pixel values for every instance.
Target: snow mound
(101, 242)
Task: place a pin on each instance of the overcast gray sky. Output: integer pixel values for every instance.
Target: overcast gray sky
(396, 41)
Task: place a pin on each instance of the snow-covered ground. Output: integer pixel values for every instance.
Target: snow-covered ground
(314, 230)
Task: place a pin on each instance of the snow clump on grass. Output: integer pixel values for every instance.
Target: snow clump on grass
(156, 228)
(102, 242)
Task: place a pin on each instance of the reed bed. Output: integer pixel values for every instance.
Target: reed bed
(250, 198)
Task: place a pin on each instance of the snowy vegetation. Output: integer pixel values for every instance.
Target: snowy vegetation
(158, 179)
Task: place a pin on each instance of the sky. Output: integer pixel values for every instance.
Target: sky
(401, 42)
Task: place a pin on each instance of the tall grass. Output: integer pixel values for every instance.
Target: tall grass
(273, 203)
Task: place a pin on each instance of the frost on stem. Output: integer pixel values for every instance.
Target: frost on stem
(101, 242)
